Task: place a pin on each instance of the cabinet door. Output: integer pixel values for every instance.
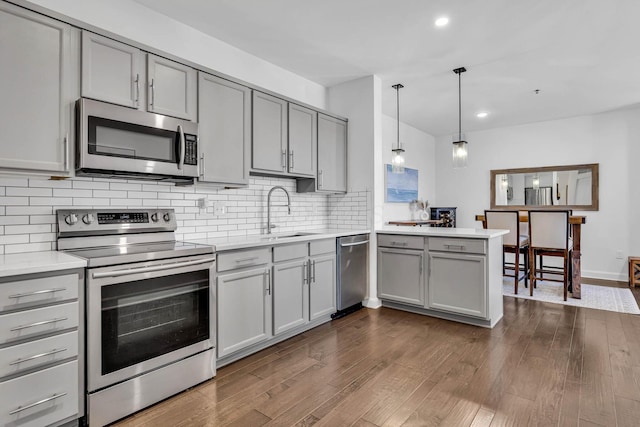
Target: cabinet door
(457, 283)
(322, 286)
(224, 128)
(112, 71)
(39, 84)
(172, 88)
(400, 276)
(303, 134)
(332, 154)
(244, 309)
(290, 295)
(269, 143)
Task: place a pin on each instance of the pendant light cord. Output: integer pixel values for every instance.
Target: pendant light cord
(398, 113)
(459, 107)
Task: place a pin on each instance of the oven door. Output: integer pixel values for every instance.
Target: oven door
(143, 316)
(116, 138)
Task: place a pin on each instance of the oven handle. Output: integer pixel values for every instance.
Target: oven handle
(130, 271)
(182, 147)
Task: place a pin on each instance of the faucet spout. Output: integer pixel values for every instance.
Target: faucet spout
(288, 205)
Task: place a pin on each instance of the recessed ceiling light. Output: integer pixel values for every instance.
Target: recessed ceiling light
(442, 21)
(482, 115)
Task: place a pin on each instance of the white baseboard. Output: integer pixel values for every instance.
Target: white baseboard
(372, 302)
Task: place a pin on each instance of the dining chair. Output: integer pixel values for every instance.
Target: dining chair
(513, 242)
(549, 236)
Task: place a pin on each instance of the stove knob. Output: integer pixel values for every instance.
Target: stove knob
(71, 219)
(154, 217)
(166, 217)
(88, 219)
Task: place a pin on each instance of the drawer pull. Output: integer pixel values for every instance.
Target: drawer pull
(399, 243)
(460, 247)
(40, 402)
(32, 325)
(38, 356)
(44, 291)
(246, 259)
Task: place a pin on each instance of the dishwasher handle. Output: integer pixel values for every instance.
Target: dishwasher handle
(344, 245)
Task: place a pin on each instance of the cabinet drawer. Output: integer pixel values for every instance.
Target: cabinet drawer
(398, 241)
(39, 321)
(472, 246)
(32, 354)
(41, 398)
(317, 247)
(241, 259)
(43, 290)
(287, 252)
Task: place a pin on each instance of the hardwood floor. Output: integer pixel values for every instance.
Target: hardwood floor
(543, 364)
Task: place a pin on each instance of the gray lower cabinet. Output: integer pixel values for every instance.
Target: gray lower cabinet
(224, 130)
(290, 295)
(457, 283)
(40, 59)
(112, 71)
(172, 88)
(41, 348)
(244, 309)
(269, 143)
(322, 286)
(400, 275)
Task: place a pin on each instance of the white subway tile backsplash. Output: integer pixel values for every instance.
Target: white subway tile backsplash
(110, 194)
(48, 183)
(29, 247)
(28, 210)
(91, 185)
(13, 182)
(125, 186)
(19, 219)
(65, 192)
(22, 191)
(27, 229)
(49, 201)
(18, 238)
(21, 201)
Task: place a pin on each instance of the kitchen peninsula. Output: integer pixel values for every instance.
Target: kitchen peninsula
(451, 273)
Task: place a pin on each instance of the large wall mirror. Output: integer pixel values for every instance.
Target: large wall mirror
(553, 187)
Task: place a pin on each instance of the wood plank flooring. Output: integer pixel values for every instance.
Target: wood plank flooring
(542, 365)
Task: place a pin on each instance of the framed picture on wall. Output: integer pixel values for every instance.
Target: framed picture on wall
(401, 187)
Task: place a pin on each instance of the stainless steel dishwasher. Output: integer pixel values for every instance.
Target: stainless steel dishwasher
(353, 273)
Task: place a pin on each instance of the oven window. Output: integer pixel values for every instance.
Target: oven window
(148, 318)
(119, 139)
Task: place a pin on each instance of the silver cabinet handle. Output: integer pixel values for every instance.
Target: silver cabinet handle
(38, 356)
(268, 279)
(460, 247)
(313, 275)
(306, 276)
(127, 272)
(40, 402)
(137, 81)
(34, 293)
(66, 152)
(246, 259)
(400, 243)
(344, 245)
(182, 147)
(202, 166)
(284, 160)
(421, 262)
(153, 92)
(33, 325)
(291, 160)
(321, 176)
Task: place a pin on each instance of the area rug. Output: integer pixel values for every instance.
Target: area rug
(598, 297)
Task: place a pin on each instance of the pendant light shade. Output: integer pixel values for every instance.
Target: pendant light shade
(397, 161)
(460, 146)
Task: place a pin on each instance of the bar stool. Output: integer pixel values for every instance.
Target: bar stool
(549, 236)
(514, 242)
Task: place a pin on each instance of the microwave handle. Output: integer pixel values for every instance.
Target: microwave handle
(182, 148)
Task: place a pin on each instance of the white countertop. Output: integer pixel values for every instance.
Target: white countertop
(37, 262)
(472, 233)
(251, 241)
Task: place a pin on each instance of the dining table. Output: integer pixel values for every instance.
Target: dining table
(576, 222)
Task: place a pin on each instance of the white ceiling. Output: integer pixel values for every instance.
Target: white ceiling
(583, 55)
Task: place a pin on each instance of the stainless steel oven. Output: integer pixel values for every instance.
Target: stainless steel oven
(150, 308)
(116, 141)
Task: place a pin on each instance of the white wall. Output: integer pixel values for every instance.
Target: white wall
(419, 154)
(138, 23)
(610, 139)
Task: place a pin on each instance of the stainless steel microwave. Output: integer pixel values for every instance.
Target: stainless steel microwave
(120, 142)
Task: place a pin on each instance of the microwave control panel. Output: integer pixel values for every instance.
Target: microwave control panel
(191, 150)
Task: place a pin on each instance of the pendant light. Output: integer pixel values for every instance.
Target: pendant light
(460, 149)
(397, 162)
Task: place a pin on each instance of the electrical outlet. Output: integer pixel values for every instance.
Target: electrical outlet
(619, 254)
(219, 208)
(202, 203)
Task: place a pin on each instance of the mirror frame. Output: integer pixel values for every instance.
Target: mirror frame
(595, 198)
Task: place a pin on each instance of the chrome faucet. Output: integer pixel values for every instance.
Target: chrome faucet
(288, 205)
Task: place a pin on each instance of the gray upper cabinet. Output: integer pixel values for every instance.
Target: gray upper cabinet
(112, 71)
(224, 120)
(39, 85)
(269, 143)
(303, 134)
(172, 88)
(332, 154)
